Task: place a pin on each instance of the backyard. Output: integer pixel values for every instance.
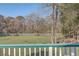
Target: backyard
(25, 40)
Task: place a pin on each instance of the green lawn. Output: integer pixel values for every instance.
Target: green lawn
(25, 40)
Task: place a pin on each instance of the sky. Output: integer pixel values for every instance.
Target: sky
(18, 9)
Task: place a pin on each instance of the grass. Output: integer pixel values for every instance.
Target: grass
(25, 40)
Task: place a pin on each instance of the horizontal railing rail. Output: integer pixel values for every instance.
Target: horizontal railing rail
(38, 45)
(39, 49)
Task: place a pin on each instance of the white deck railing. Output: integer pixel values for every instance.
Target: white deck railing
(39, 49)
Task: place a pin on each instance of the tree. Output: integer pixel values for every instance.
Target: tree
(9, 24)
(2, 24)
(20, 23)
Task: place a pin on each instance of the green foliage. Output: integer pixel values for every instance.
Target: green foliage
(69, 17)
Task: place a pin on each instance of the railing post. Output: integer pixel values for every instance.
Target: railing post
(9, 51)
(3, 51)
(70, 51)
(65, 52)
(24, 51)
(14, 51)
(29, 51)
(34, 51)
(44, 51)
(74, 51)
(50, 51)
(60, 51)
(39, 51)
(19, 51)
(55, 51)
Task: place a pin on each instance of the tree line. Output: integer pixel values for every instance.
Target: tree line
(28, 24)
